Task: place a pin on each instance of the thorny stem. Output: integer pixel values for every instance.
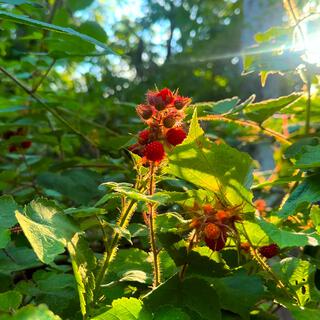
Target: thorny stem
(151, 216)
(278, 136)
(190, 247)
(261, 261)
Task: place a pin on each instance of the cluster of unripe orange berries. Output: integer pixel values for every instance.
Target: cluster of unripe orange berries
(163, 112)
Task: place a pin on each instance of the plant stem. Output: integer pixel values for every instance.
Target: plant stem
(308, 105)
(47, 107)
(123, 222)
(152, 215)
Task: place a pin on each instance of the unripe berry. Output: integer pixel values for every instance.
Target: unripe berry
(169, 121)
(12, 148)
(154, 151)
(176, 136)
(181, 102)
(208, 209)
(245, 246)
(222, 215)
(145, 111)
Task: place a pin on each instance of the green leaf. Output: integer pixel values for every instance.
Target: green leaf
(126, 309)
(10, 301)
(7, 211)
(47, 230)
(286, 239)
(54, 28)
(170, 222)
(168, 312)
(83, 264)
(192, 293)
(304, 313)
(296, 274)
(302, 196)
(4, 237)
(309, 158)
(217, 168)
(246, 290)
(274, 33)
(75, 5)
(40, 312)
(298, 147)
(21, 2)
(127, 262)
(261, 111)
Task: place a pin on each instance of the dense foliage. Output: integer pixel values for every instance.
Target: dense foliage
(124, 200)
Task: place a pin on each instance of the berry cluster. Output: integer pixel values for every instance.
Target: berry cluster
(14, 147)
(215, 224)
(163, 112)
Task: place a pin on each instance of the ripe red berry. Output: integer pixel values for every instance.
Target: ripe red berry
(176, 136)
(8, 134)
(212, 231)
(160, 99)
(144, 136)
(12, 148)
(269, 251)
(26, 144)
(154, 151)
(217, 244)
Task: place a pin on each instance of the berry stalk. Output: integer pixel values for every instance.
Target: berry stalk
(152, 235)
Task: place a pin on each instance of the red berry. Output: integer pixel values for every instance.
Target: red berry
(12, 148)
(260, 205)
(144, 136)
(217, 244)
(26, 144)
(212, 231)
(8, 134)
(154, 151)
(176, 136)
(269, 251)
(160, 99)
(223, 215)
(181, 102)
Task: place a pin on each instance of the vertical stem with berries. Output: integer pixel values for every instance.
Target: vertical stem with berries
(152, 234)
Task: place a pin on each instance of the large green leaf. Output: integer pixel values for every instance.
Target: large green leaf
(10, 301)
(194, 294)
(309, 158)
(297, 275)
(31, 312)
(261, 111)
(305, 194)
(215, 167)
(126, 309)
(84, 264)
(168, 312)
(286, 238)
(246, 290)
(4, 237)
(47, 230)
(51, 27)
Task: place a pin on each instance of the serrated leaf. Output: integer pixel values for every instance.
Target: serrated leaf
(83, 264)
(217, 168)
(7, 211)
(307, 192)
(261, 111)
(51, 27)
(126, 309)
(47, 230)
(192, 293)
(286, 239)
